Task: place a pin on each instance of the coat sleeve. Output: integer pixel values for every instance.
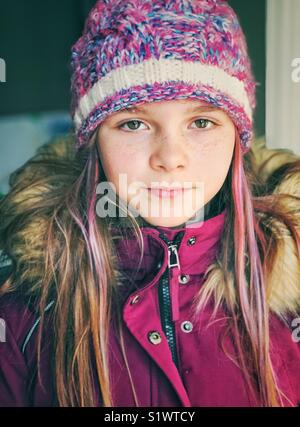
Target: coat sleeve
(19, 386)
(13, 368)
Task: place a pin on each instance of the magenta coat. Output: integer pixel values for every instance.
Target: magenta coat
(173, 361)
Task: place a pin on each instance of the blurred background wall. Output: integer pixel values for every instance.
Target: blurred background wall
(35, 41)
(283, 74)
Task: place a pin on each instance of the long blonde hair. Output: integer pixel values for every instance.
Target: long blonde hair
(78, 270)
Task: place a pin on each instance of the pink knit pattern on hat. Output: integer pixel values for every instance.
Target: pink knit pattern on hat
(137, 51)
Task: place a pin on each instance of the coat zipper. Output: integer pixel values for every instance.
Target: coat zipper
(169, 306)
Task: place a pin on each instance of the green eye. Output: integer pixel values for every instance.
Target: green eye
(203, 123)
(132, 124)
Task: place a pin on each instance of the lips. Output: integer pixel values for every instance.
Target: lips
(167, 192)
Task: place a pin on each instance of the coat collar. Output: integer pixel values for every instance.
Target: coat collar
(199, 246)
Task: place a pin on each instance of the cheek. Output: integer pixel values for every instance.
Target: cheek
(117, 158)
(112, 160)
(212, 165)
(120, 168)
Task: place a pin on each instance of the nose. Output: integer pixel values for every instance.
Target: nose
(169, 153)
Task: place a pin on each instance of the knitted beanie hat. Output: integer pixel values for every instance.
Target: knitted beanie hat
(137, 51)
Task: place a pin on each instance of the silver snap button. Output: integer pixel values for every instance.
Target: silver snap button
(159, 264)
(135, 300)
(191, 241)
(186, 326)
(154, 337)
(184, 278)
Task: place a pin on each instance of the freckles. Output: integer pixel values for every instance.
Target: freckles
(222, 144)
(212, 152)
(206, 147)
(113, 154)
(127, 149)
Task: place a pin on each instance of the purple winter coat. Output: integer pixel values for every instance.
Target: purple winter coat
(204, 375)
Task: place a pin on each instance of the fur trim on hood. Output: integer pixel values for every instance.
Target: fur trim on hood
(26, 247)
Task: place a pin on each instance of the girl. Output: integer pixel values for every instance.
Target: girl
(157, 264)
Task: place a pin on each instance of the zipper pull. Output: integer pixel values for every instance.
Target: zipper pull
(173, 260)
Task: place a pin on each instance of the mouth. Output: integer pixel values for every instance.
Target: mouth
(169, 193)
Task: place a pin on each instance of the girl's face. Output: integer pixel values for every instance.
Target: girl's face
(187, 144)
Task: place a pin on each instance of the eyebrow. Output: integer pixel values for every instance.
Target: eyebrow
(199, 108)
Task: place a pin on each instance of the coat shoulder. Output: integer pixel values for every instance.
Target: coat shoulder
(279, 169)
(267, 160)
